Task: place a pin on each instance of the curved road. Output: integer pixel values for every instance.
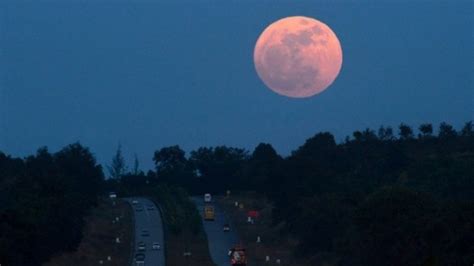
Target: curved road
(147, 217)
(219, 241)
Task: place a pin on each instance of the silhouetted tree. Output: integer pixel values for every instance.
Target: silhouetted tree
(317, 145)
(405, 132)
(47, 196)
(220, 167)
(262, 166)
(169, 159)
(136, 165)
(468, 130)
(446, 131)
(118, 167)
(171, 164)
(385, 133)
(426, 130)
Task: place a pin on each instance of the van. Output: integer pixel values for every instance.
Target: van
(207, 197)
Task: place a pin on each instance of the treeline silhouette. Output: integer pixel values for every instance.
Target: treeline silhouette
(44, 198)
(378, 198)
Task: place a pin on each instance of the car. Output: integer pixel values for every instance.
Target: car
(140, 259)
(150, 207)
(226, 228)
(145, 233)
(134, 201)
(141, 246)
(156, 246)
(139, 209)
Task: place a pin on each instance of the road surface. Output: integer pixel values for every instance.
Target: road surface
(219, 241)
(148, 219)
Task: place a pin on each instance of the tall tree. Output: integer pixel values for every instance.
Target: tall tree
(136, 165)
(52, 193)
(317, 145)
(262, 166)
(405, 132)
(468, 130)
(171, 164)
(385, 133)
(446, 131)
(426, 130)
(220, 167)
(118, 167)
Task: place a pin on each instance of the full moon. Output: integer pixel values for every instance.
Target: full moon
(298, 56)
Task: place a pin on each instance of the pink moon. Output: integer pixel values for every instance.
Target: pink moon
(298, 57)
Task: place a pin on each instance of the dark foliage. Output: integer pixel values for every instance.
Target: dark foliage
(43, 201)
(374, 199)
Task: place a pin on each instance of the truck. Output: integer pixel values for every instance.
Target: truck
(207, 197)
(209, 213)
(237, 256)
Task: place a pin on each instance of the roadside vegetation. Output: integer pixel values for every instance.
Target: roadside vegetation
(44, 199)
(184, 228)
(99, 242)
(378, 198)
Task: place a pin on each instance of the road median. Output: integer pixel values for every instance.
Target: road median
(186, 242)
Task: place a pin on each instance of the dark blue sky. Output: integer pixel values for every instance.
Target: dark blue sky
(152, 74)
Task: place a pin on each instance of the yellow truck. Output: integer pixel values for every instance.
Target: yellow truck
(209, 213)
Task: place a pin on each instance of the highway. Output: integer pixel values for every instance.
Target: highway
(219, 241)
(148, 218)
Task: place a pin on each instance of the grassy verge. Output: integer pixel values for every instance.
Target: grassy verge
(273, 243)
(194, 243)
(99, 238)
(183, 228)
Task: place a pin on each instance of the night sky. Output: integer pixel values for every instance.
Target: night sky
(158, 73)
